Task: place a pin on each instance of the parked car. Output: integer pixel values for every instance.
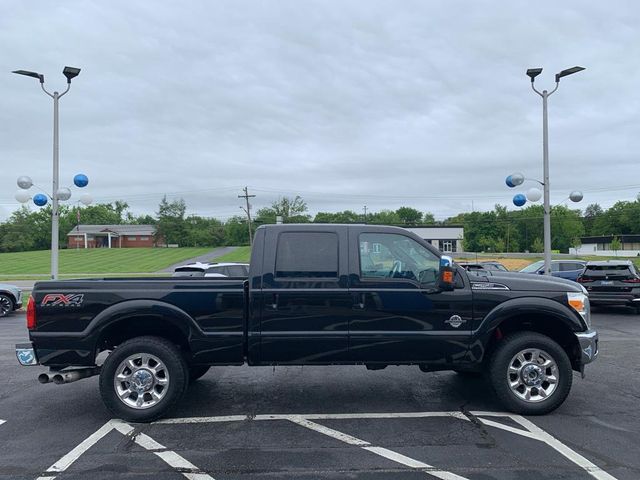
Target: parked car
(612, 282)
(569, 269)
(212, 270)
(479, 267)
(316, 295)
(10, 299)
(493, 265)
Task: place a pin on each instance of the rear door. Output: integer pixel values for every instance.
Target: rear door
(399, 315)
(305, 300)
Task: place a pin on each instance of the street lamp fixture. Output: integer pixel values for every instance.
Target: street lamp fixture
(27, 73)
(533, 73)
(568, 71)
(70, 72)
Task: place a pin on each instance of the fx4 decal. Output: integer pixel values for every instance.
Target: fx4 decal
(61, 300)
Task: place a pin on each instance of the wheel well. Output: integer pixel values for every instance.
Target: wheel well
(546, 325)
(131, 327)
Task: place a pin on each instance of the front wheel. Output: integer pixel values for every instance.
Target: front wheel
(143, 378)
(6, 305)
(530, 373)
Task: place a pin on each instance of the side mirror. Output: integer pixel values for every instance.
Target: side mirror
(446, 275)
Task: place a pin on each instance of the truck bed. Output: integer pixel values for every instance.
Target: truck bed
(209, 312)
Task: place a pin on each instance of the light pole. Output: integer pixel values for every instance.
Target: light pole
(69, 72)
(533, 73)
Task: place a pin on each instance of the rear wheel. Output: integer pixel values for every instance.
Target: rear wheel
(530, 373)
(6, 305)
(143, 378)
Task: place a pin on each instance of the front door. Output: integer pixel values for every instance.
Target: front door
(305, 300)
(401, 316)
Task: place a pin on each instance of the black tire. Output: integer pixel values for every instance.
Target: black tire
(197, 371)
(499, 375)
(6, 305)
(175, 368)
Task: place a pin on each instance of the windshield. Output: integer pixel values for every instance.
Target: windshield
(534, 267)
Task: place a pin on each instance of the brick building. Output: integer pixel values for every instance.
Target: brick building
(112, 236)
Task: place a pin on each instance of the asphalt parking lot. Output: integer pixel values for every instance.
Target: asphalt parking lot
(329, 423)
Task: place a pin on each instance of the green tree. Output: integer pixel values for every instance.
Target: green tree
(384, 217)
(537, 246)
(428, 219)
(409, 216)
(292, 210)
(236, 231)
(615, 245)
(591, 214)
(171, 227)
(346, 216)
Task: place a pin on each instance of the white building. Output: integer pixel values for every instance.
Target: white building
(444, 238)
(601, 246)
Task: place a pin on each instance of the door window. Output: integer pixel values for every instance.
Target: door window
(396, 256)
(307, 254)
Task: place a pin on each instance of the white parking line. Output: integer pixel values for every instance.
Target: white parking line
(191, 472)
(309, 416)
(2, 421)
(383, 452)
(535, 432)
(171, 458)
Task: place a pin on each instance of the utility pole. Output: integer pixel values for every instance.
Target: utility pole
(365, 214)
(247, 210)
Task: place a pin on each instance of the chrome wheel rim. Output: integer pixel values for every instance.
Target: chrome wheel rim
(141, 381)
(532, 375)
(5, 306)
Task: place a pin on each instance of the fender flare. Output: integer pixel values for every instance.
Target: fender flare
(530, 305)
(129, 310)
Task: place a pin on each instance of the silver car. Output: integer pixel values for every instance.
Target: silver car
(10, 299)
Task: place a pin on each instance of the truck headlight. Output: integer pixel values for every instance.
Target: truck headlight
(580, 303)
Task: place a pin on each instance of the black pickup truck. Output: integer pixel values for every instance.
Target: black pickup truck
(316, 295)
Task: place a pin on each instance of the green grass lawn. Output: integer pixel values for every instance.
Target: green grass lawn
(96, 260)
(240, 255)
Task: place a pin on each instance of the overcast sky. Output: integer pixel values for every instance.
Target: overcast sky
(346, 103)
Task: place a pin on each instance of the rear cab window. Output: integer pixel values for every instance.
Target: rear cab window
(307, 255)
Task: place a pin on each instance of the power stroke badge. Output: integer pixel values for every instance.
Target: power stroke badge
(62, 300)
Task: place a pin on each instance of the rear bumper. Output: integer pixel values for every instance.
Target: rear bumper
(588, 346)
(610, 298)
(26, 354)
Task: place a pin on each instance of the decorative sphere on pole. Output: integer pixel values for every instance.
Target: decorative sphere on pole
(514, 180)
(40, 199)
(576, 196)
(64, 194)
(86, 199)
(22, 196)
(534, 194)
(81, 180)
(25, 182)
(519, 200)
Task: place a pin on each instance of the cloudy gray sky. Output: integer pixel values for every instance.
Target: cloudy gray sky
(346, 103)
